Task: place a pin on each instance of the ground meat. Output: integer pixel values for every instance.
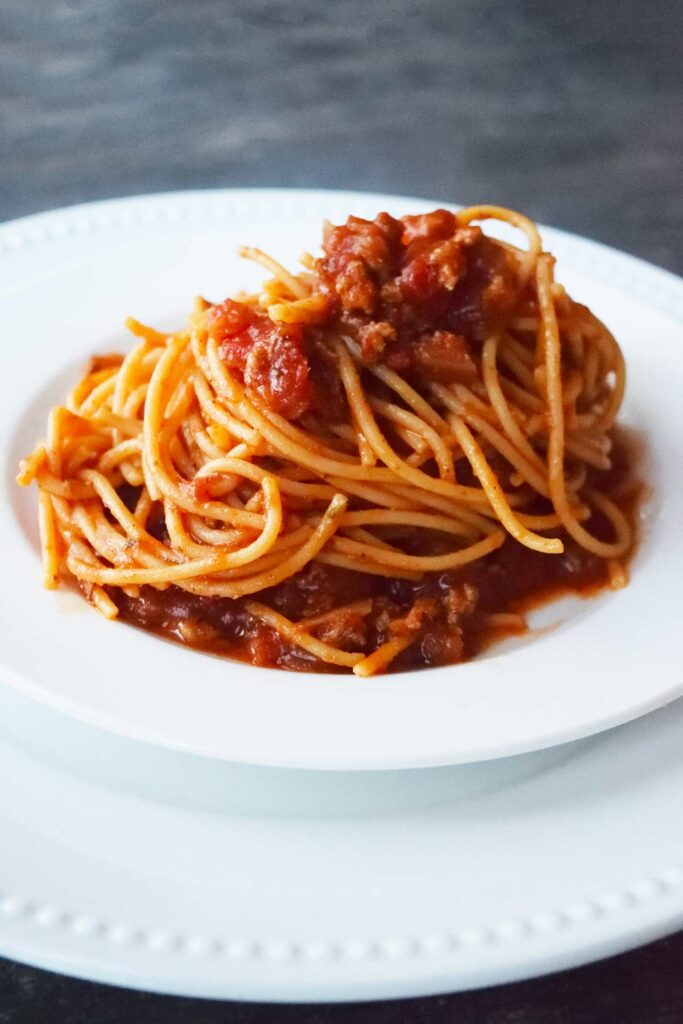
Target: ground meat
(278, 370)
(460, 600)
(443, 612)
(430, 267)
(263, 646)
(440, 356)
(346, 629)
(422, 612)
(318, 588)
(270, 356)
(439, 224)
(419, 294)
(442, 648)
(165, 610)
(359, 255)
(373, 339)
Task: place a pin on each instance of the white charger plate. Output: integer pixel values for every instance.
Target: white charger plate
(129, 864)
(69, 279)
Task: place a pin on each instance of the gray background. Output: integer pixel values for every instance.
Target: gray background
(570, 111)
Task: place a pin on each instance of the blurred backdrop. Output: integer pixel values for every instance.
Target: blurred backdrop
(570, 111)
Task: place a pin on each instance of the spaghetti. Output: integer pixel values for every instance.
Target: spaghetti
(365, 465)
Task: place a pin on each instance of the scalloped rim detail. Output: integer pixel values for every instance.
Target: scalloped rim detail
(396, 947)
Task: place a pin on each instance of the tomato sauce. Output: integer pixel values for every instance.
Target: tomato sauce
(418, 295)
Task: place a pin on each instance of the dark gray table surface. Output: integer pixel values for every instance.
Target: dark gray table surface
(570, 111)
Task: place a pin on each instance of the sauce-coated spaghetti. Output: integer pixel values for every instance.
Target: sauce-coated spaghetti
(371, 463)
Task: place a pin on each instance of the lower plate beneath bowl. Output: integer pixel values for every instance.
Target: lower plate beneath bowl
(146, 868)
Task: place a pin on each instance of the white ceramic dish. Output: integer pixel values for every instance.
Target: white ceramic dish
(167, 872)
(70, 277)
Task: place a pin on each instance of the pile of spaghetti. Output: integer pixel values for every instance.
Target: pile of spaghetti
(409, 406)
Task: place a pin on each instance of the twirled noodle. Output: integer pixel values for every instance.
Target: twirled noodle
(166, 468)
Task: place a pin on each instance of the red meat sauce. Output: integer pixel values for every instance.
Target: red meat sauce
(418, 294)
(445, 614)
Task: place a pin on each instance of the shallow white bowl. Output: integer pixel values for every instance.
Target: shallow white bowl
(69, 279)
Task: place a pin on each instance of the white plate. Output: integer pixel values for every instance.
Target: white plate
(70, 277)
(267, 884)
